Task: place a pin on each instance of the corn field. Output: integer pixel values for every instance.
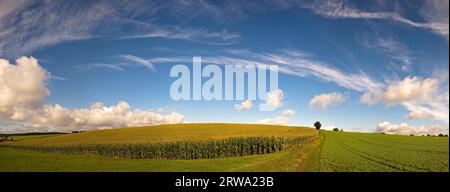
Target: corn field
(231, 147)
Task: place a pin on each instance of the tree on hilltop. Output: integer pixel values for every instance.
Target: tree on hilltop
(317, 125)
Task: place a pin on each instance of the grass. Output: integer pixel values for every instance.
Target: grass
(355, 152)
(37, 161)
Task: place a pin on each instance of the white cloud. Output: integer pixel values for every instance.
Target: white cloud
(22, 101)
(322, 101)
(51, 22)
(290, 62)
(198, 35)
(275, 121)
(424, 98)
(139, 61)
(405, 129)
(281, 120)
(26, 26)
(410, 89)
(117, 67)
(435, 11)
(339, 9)
(436, 110)
(99, 116)
(9, 6)
(245, 105)
(298, 63)
(397, 52)
(22, 87)
(288, 112)
(418, 114)
(275, 98)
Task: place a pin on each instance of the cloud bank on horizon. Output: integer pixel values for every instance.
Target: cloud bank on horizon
(382, 64)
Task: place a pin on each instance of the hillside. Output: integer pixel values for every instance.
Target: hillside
(169, 133)
(294, 158)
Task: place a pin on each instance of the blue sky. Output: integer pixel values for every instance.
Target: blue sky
(367, 62)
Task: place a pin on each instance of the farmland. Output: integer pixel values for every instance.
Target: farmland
(224, 147)
(201, 135)
(169, 133)
(377, 152)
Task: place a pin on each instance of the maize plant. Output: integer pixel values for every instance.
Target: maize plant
(231, 147)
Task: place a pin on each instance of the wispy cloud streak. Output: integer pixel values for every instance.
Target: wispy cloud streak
(338, 9)
(26, 26)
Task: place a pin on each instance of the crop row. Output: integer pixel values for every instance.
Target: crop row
(231, 147)
(377, 152)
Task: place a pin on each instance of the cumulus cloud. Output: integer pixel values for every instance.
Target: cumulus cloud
(275, 98)
(275, 121)
(100, 116)
(245, 105)
(22, 87)
(288, 112)
(418, 114)
(405, 129)
(436, 110)
(22, 101)
(424, 98)
(322, 101)
(280, 120)
(410, 89)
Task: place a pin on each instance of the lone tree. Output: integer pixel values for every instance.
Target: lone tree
(317, 125)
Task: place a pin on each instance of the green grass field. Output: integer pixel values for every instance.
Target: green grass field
(324, 151)
(340, 151)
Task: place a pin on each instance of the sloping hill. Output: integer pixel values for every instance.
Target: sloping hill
(170, 133)
(18, 157)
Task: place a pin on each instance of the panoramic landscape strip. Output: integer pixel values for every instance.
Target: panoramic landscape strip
(225, 147)
(257, 86)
